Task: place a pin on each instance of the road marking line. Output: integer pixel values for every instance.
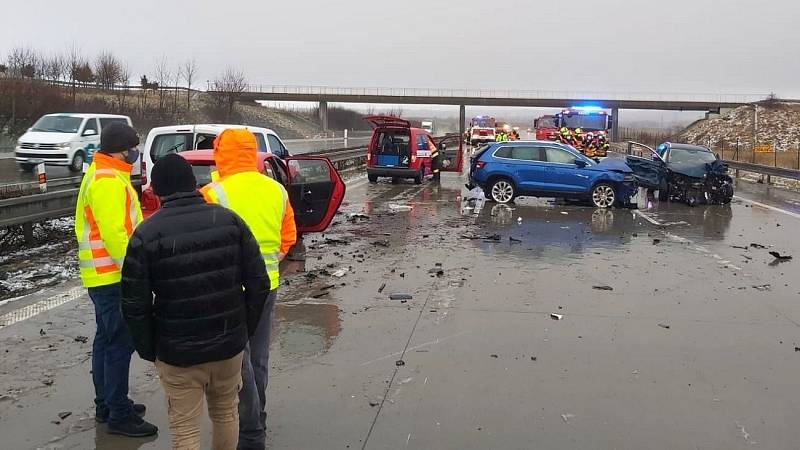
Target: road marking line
(39, 307)
(770, 207)
(647, 217)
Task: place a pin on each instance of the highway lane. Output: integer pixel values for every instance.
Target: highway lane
(694, 346)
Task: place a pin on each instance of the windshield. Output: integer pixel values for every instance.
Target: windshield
(682, 155)
(58, 124)
(594, 122)
(546, 122)
(483, 122)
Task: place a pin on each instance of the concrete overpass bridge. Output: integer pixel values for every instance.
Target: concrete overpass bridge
(710, 103)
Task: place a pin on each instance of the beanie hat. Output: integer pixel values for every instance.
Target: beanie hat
(172, 174)
(118, 137)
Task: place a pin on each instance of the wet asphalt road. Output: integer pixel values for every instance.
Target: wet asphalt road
(694, 348)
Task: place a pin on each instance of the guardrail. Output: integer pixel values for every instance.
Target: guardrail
(761, 169)
(30, 209)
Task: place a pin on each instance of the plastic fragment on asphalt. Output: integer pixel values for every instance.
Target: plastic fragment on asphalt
(64, 415)
(399, 363)
(665, 326)
(395, 207)
(380, 289)
(555, 316)
(399, 296)
(567, 417)
(341, 272)
(779, 257)
(603, 288)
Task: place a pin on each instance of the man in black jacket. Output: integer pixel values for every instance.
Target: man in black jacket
(194, 284)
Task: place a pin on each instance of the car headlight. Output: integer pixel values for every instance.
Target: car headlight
(629, 178)
(64, 145)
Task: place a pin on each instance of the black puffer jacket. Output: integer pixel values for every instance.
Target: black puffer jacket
(193, 283)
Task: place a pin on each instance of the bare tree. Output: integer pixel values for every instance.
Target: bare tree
(54, 67)
(228, 87)
(189, 73)
(22, 62)
(107, 69)
(123, 79)
(73, 62)
(162, 76)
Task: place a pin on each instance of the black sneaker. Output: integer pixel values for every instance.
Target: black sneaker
(101, 413)
(134, 426)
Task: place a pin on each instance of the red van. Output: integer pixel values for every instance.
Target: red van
(398, 150)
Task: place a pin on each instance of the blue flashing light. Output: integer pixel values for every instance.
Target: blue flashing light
(588, 108)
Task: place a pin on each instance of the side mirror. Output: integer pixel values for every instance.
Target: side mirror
(442, 146)
(580, 163)
(89, 132)
(717, 155)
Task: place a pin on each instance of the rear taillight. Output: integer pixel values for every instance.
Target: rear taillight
(150, 201)
(144, 173)
(479, 165)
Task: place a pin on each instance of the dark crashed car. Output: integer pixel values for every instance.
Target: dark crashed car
(686, 173)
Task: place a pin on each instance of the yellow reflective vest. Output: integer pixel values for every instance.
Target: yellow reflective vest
(261, 202)
(105, 216)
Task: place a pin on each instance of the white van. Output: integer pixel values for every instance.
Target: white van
(63, 139)
(162, 141)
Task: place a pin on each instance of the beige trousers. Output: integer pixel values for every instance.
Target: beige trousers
(219, 382)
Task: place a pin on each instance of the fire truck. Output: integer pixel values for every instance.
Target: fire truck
(481, 130)
(546, 129)
(592, 121)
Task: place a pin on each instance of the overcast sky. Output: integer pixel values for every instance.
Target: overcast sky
(703, 46)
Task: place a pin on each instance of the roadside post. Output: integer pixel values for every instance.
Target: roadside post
(345, 138)
(41, 175)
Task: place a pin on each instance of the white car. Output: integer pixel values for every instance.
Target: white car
(162, 141)
(63, 139)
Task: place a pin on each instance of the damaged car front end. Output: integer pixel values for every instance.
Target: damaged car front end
(682, 172)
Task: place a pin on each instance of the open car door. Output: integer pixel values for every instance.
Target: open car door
(316, 191)
(451, 152)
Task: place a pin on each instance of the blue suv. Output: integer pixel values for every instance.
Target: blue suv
(506, 170)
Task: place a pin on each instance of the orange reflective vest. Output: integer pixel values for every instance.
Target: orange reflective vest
(106, 214)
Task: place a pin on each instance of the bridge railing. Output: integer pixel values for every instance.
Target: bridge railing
(504, 93)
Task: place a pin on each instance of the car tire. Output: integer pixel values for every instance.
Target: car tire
(372, 178)
(502, 191)
(692, 199)
(25, 167)
(603, 195)
(77, 162)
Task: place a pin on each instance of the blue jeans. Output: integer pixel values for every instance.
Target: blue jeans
(253, 396)
(111, 353)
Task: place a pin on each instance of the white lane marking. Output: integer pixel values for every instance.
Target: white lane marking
(647, 217)
(39, 307)
(769, 207)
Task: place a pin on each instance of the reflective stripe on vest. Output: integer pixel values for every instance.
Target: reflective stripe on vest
(102, 262)
(219, 192)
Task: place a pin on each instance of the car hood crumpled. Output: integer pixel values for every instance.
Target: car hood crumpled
(699, 169)
(648, 173)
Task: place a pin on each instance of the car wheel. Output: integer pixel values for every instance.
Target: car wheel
(77, 162)
(604, 196)
(692, 198)
(25, 167)
(372, 178)
(502, 191)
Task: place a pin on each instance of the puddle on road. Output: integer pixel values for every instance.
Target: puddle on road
(306, 329)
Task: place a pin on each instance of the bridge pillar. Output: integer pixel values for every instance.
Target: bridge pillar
(615, 125)
(462, 118)
(323, 115)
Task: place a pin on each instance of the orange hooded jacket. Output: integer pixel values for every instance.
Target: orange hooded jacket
(235, 153)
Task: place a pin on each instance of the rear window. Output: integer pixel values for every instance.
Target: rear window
(164, 144)
(392, 142)
(203, 174)
(275, 146)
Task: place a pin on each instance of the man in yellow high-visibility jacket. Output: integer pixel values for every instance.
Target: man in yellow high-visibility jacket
(105, 216)
(263, 204)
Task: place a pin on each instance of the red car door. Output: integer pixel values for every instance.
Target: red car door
(315, 190)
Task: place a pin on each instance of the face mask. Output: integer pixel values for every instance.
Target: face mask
(133, 155)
